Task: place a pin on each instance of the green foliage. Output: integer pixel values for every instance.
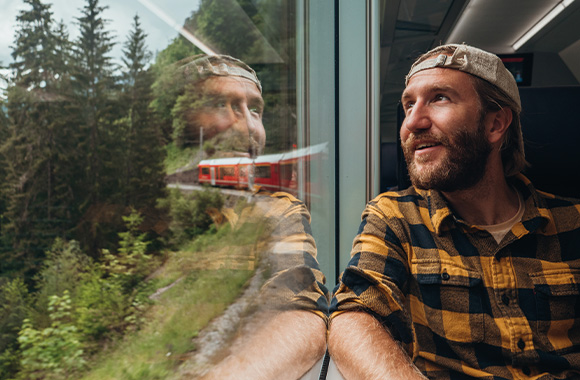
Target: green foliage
(102, 308)
(156, 351)
(109, 300)
(142, 147)
(168, 86)
(37, 157)
(54, 352)
(131, 264)
(189, 216)
(64, 269)
(9, 363)
(15, 305)
(176, 158)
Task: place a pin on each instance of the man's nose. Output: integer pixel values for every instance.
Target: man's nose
(417, 118)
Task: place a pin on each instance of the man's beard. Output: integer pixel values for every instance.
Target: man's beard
(462, 167)
(233, 143)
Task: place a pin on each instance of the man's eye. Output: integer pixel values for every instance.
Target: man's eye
(256, 110)
(407, 106)
(441, 97)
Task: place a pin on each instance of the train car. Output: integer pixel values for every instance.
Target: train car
(221, 171)
(273, 172)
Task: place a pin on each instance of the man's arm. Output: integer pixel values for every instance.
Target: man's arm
(284, 347)
(363, 349)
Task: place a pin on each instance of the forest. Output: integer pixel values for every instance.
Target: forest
(85, 213)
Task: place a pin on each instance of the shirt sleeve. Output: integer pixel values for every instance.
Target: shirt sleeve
(376, 276)
(296, 281)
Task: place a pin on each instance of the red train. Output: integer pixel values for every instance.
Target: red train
(274, 172)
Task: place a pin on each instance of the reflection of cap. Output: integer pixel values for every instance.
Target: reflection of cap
(471, 60)
(203, 66)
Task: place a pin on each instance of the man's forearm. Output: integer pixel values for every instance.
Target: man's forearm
(362, 349)
(284, 347)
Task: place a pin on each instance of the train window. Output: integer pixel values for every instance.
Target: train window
(109, 225)
(263, 171)
(227, 171)
(287, 171)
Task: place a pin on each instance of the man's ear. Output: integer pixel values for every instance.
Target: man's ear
(500, 122)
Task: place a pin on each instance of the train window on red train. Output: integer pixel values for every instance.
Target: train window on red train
(263, 171)
(205, 171)
(227, 171)
(286, 171)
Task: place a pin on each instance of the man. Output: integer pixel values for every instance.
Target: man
(471, 272)
(287, 334)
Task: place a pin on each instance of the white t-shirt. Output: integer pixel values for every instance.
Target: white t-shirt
(498, 231)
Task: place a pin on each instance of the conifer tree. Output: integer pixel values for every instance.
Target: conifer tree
(94, 86)
(143, 153)
(96, 96)
(32, 151)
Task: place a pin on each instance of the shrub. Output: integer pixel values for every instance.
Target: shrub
(189, 217)
(15, 305)
(63, 270)
(131, 264)
(102, 308)
(54, 352)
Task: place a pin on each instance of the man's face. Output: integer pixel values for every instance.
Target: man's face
(230, 110)
(443, 136)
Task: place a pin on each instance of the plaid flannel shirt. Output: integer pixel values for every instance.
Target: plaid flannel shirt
(463, 305)
(296, 281)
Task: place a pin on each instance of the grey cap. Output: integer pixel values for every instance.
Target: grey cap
(474, 61)
(203, 66)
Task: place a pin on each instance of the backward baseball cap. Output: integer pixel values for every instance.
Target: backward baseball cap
(203, 66)
(471, 60)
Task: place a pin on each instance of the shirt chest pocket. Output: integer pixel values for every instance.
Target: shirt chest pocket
(448, 300)
(557, 294)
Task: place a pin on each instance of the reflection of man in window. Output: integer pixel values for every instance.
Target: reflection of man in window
(225, 100)
(222, 103)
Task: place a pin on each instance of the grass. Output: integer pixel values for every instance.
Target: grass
(211, 277)
(178, 157)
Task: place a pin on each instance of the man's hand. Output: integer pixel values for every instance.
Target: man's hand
(363, 349)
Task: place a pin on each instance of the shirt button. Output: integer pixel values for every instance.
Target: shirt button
(521, 344)
(445, 276)
(505, 299)
(526, 371)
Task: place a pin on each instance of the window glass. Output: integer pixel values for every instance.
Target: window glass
(263, 171)
(158, 186)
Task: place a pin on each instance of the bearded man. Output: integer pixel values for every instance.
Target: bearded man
(471, 272)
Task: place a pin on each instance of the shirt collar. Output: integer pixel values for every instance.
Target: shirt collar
(536, 213)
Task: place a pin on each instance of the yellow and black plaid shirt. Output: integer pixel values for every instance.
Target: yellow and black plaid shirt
(463, 305)
(295, 279)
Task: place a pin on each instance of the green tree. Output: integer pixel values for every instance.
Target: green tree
(97, 107)
(36, 198)
(167, 85)
(63, 270)
(15, 304)
(142, 143)
(227, 26)
(95, 91)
